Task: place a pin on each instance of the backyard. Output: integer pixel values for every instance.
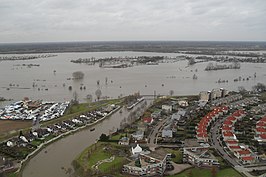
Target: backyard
(101, 158)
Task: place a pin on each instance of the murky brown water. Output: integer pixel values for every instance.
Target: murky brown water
(50, 160)
(146, 78)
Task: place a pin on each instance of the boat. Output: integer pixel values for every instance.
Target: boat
(92, 129)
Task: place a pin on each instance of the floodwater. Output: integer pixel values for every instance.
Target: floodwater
(121, 81)
(145, 79)
(50, 160)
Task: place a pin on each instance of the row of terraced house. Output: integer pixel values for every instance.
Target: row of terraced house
(205, 122)
(261, 130)
(241, 151)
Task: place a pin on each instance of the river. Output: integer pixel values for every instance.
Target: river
(121, 81)
(50, 160)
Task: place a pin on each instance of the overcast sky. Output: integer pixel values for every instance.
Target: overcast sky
(116, 20)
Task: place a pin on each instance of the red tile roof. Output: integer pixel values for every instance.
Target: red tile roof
(204, 130)
(237, 114)
(202, 135)
(263, 119)
(225, 108)
(261, 124)
(230, 134)
(263, 136)
(227, 128)
(228, 122)
(235, 147)
(249, 158)
(260, 129)
(231, 118)
(231, 141)
(147, 119)
(244, 152)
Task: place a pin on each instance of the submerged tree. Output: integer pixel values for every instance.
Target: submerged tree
(260, 87)
(75, 97)
(171, 92)
(98, 94)
(78, 75)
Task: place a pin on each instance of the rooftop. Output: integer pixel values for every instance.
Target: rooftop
(228, 134)
(244, 152)
(249, 158)
(158, 154)
(191, 143)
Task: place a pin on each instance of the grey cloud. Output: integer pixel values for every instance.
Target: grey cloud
(66, 20)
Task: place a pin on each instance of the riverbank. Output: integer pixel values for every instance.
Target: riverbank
(41, 146)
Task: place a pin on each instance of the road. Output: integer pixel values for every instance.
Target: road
(217, 144)
(152, 138)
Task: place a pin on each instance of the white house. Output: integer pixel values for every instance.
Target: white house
(137, 150)
(168, 108)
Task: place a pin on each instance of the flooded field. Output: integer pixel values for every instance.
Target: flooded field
(49, 78)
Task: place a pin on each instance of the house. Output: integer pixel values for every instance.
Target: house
(235, 148)
(202, 137)
(136, 150)
(153, 164)
(167, 132)
(199, 156)
(204, 96)
(231, 142)
(261, 124)
(148, 120)
(248, 160)
(228, 123)
(225, 109)
(42, 133)
(183, 103)
(124, 141)
(229, 136)
(175, 117)
(232, 119)
(216, 93)
(243, 153)
(227, 128)
(261, 138)
(260, 130)
(167, 108)
(156, 114)
(138, 135)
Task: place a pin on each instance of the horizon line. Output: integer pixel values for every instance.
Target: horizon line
(102, 41)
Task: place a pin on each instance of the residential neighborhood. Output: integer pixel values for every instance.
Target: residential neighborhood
(172, 135)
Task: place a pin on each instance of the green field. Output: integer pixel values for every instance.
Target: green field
(178, 155)
(101, 151)
(198, 172)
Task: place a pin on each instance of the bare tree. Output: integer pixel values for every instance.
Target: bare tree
(98, 94)
(171, 92)
(259, 87)
(75, 97)
(242, 89)
(89, 98)
(106, 80)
